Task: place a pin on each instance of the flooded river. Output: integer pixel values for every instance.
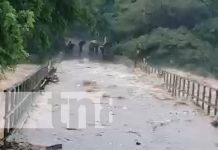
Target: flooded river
(122, 114)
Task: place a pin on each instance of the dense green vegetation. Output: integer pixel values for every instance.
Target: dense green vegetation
(175, 33)
(36, 26)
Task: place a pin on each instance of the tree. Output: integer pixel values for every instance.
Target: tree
(34, 26)
(13, 25)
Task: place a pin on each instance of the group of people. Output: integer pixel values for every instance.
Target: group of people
(95, 48)
(71, 46)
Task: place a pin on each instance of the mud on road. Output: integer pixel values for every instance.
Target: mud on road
(144, 117)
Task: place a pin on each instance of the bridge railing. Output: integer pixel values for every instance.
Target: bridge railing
(19, 97)
(201, 95)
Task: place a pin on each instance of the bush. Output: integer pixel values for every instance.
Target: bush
(172, 47)
(208, 30)
(145, 15)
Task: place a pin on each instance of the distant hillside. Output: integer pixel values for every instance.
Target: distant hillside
(176, 33)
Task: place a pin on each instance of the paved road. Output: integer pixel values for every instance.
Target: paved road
(137, 120)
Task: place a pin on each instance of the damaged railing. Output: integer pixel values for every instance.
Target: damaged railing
(18, 98)
(200, 94)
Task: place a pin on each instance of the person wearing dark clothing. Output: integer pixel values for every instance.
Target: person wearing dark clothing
(107, 53)
(96, 49)
(70, 47)
(81, 44)
(93, 48)
(102, 49)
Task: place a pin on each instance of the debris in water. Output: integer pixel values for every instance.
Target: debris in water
(138, 143)
(119, 97)
(72, 129)
(161, 95)
(99, 134)
(157, 124)
(89, 90)
(106, 96)
(54, 147)
(89, 83)
(180, 103)
(134, 132)
(53, 79)
(67, 139)
(91, 86)
(215, 123)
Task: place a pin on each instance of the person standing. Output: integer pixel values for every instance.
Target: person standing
(102, 50)
(71, 48)
(81, 44)
(93, 47)
(136, 55)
